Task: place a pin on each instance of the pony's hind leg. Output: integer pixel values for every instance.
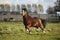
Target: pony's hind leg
(42, 27)
(37, 28)
(43, 30)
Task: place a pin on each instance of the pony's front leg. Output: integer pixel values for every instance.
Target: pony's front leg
(28, 29)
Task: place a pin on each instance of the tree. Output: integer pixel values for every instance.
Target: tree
(57, 6)
(50, 10)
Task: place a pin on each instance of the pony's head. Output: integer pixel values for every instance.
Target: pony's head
(24, 11)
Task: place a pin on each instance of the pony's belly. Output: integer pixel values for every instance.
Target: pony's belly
(35, 24)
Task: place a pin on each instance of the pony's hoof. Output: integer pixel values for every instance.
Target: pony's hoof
(30, 32)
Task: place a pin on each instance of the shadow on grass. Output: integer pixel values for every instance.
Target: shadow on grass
(57, 38)
(33, 34)
(4, 33)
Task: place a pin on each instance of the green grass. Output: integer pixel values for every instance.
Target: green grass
(16, 31)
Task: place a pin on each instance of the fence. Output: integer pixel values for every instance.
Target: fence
(18, 17)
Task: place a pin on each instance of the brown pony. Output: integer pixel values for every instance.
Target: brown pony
(32, 22)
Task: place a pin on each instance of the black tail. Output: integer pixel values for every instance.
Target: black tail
(44, 22)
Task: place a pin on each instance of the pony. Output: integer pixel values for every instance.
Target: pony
(29, 21)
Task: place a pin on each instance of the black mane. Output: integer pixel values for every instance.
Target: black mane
(24, 9)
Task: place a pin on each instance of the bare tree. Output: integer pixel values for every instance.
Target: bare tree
(29, 7)
(18, 7)
(34, 6)
(12, 8)
(1, 7)
(40, 8)
(7, 7)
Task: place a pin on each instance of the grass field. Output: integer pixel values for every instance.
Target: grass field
(16, 31)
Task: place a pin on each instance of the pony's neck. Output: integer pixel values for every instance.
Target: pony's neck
(25, 16)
